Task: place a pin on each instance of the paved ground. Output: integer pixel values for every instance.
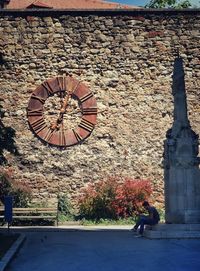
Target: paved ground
(114, 250)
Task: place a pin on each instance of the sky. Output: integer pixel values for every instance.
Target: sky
(130, 2)
(144, 2)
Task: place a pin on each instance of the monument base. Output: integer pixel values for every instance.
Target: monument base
(182, 199)
(185, 216)
(170, 231)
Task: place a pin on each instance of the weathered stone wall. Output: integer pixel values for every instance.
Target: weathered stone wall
(127, 62)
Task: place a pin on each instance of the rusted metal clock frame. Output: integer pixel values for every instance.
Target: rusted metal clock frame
(67, 88)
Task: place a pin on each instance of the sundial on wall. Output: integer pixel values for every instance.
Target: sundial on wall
(62, 111)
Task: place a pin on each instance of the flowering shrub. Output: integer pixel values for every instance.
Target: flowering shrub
(129, 197)
(19, 190)
(97, 198)
(114, 198)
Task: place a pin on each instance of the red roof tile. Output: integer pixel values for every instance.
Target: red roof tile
(38, 4)
(66, 4)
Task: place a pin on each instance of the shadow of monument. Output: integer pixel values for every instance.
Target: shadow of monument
(7, 142)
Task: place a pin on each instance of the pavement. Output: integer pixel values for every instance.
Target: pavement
(11, 252)
(108, 248)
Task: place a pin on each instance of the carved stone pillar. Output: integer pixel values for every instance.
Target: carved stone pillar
(181, 164)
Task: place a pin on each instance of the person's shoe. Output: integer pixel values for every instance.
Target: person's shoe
(134, 229)
(138, 235)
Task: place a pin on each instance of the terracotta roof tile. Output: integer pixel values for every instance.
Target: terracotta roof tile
(66, 4)
(39, 4)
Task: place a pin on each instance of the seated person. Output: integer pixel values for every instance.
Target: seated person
(152, 219)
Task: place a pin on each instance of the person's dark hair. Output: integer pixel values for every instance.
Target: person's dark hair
(145, 203)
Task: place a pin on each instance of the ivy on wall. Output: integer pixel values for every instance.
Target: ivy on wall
(7, 141)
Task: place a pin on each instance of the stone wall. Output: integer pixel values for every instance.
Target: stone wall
(126, 59)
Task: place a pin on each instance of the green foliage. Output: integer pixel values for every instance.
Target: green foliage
(41, 204)
(169, 4)
(64, 206)
(113, 198)
(7, 142)
(63, 218)
(19, 190)
(162, 215)
(101, 221)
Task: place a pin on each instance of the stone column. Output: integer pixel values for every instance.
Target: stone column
(181, 164)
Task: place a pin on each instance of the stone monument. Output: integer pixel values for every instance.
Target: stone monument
(181, 164)
(181, 169)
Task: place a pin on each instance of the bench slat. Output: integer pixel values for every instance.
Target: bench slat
(32, 212)
(34, 217)
(35, 209)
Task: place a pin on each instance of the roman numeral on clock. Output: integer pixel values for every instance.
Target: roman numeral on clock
(40, 99)
(89, 111)
(86, 97)
(86, 125)
(62, 140)
(48, 134)
(61, 83)
(38, 125)
(77, 136)
(34, 112)
(48, 88)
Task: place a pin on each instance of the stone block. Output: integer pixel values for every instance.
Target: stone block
(171, 231)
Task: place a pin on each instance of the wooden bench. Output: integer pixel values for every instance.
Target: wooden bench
(33, 214)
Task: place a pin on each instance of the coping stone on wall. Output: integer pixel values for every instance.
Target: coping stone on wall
(86, 12)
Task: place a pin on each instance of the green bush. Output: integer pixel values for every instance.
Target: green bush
(7, 142)
(66, 211)
(19, 190)
(106, 221)
(113, 198)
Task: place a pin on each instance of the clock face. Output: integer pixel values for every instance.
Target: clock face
(62, 111)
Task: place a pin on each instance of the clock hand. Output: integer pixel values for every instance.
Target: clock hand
(65, 103)
(62, 111)
(57, 123)
(61, 97)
